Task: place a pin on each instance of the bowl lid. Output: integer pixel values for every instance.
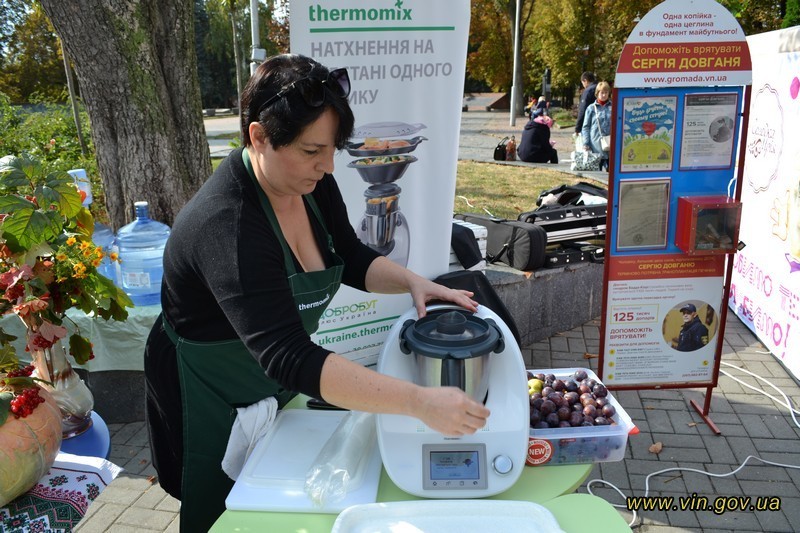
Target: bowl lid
(386, 129)
(451, 334)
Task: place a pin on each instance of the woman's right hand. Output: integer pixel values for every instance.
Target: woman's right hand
(450, 411)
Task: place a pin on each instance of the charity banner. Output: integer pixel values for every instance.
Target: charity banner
(662, 320)
(685, 43)
(648, 133)
(765, 285)
(406, 61)
(708, 130)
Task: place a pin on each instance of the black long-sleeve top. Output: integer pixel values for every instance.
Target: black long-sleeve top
(224, 274)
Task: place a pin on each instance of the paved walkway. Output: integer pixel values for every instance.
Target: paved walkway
(751, 424)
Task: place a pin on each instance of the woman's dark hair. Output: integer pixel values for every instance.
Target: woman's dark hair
(284, 119)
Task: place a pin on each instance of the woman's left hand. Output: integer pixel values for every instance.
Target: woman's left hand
(387, 277)
(423, 290)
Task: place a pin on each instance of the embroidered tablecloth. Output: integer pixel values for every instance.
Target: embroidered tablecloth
(60, 499)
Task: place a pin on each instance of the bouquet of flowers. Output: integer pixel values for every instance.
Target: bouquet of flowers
(48, 262)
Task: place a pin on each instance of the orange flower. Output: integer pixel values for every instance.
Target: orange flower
(71, 241)
(84, 245)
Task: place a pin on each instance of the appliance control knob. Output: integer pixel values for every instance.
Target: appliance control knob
(502, 464)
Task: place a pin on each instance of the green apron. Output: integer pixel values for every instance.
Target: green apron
(218, 377)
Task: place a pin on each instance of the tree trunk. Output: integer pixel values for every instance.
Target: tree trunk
(137, 68)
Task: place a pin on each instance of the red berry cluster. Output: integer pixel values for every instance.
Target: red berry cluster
(21, 372)
(24, 403)
(41, 343)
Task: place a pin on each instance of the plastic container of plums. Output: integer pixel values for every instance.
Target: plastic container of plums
(579, 442)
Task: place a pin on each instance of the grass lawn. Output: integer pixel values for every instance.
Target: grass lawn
(501, 190)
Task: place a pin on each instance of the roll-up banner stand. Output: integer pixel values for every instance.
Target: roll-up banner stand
(680, 105)
(406, 62)
(765, 288)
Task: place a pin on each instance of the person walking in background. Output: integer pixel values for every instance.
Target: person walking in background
(597, 124)
(535, 145)
(541, 108)
(589, 83)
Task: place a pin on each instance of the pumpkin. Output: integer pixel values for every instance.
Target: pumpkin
(28, 448)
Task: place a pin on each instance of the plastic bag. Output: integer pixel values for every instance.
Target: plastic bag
(332, 472)
(585, 161)
(578, 142)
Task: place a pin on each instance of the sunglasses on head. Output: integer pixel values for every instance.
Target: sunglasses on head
(313, 89)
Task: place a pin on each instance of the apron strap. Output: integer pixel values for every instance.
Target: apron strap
(273, 220)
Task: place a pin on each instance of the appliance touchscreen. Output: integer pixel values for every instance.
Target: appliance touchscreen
(459, 466)
(455, 465)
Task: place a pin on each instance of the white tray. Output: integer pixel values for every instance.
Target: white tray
(273, 478)
(447, 516)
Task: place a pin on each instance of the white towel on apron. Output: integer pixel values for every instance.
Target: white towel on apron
(251, 424)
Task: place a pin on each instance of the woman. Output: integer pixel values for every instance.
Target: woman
(536, 146)
(597, 123)
(266, 236)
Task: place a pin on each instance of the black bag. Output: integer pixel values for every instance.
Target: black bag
(463, 243)
(594, 252)
(500, 150)
(558, 255)
(517, 244)
(571, 194)
(569, 223)
(470, 280)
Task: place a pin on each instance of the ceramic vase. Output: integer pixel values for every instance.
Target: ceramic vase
(71, 394)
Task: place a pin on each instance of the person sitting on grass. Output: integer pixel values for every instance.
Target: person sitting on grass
(536, 146)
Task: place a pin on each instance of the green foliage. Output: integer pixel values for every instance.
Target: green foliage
(792, 17)
(47, 132)
(48, 263)
(32, 61)
(216, 62)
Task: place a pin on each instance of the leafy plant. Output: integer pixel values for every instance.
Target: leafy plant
(48, 263)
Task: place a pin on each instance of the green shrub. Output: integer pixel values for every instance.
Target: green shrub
(46, 130)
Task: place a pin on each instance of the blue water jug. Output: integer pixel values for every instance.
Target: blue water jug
(140, 245)
(103, 237)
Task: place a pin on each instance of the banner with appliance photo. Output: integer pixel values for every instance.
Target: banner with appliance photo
(406, 60)
(765, 286)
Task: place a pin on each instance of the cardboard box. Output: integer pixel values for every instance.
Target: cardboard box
(583, 444)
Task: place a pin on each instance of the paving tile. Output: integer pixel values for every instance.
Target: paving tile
(731, 430)
(559, 344)
(128, 431)
(146, 518)
(769, 488)
(684, 421)
(658, 420)
(102, 518)
(758, 471)
(577, 345)
(151, 498)
(774, 521)
(742, 447)
(678, 440)
(719, 449)
(781, 427)
(777, 445)
(729, 521)
(615, 473)
(790, 507)
(696, 482)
